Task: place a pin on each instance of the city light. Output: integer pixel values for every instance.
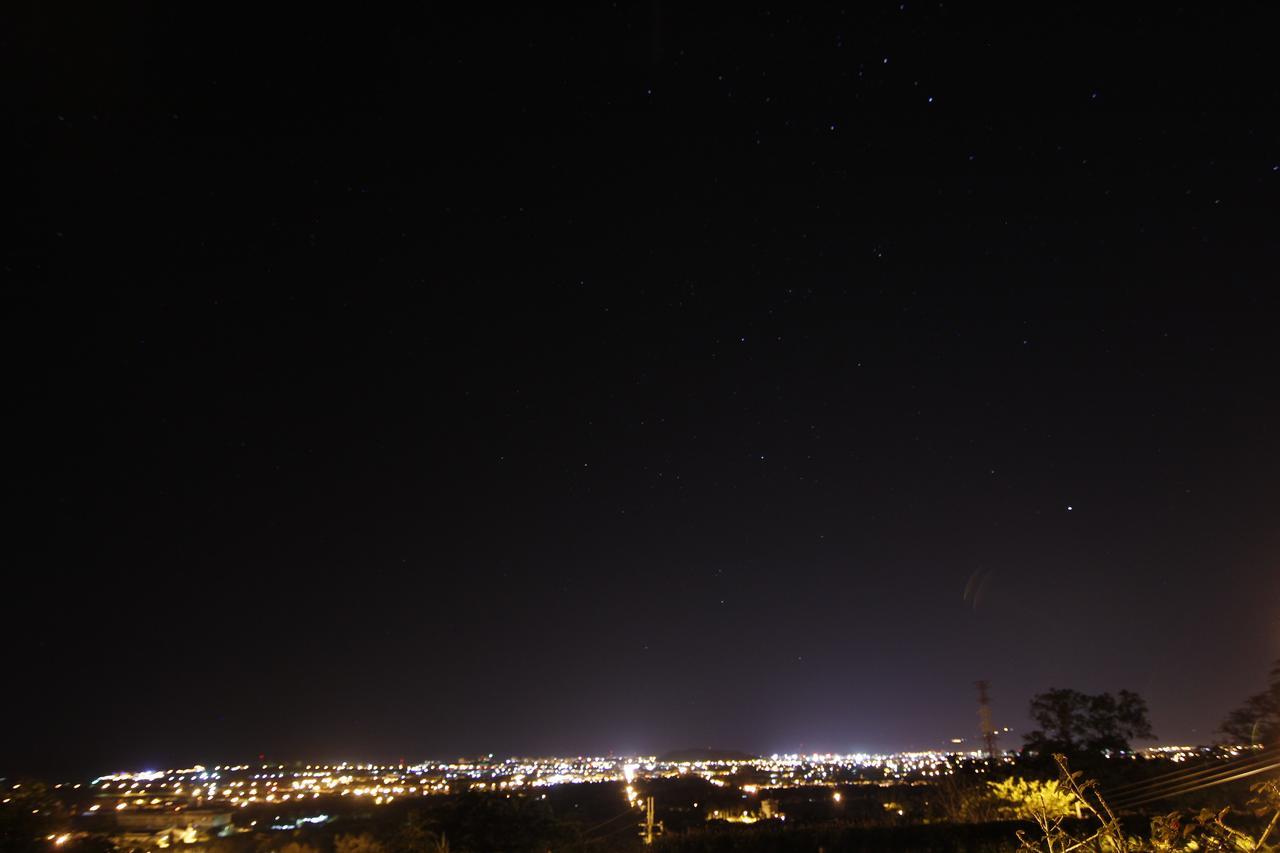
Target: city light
(187, 800)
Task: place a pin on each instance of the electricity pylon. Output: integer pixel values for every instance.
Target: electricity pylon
(984, 719)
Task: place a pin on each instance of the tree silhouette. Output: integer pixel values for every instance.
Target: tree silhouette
(1258, 719)
(1072, 722)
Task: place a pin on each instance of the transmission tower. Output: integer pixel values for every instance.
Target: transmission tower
(984, 718)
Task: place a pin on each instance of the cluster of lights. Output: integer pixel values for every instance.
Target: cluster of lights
(240, 786)
(797, 770)
(1178, 754)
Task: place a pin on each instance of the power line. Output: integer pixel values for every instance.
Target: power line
(1184, 771)
(1191, 780)
(586, 832)
(1182, 779)
(1200, 785)
(584, 842)
(612, 833)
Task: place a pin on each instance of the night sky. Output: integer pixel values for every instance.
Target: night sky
(441, 382)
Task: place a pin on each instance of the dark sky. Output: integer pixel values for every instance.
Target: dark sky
(439, 382)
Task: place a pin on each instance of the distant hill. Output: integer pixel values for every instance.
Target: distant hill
(706, 755)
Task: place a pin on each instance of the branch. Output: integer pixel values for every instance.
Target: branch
(1266, 832)
(1110, 824)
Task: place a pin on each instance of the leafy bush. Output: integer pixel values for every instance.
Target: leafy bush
(1023, 799)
